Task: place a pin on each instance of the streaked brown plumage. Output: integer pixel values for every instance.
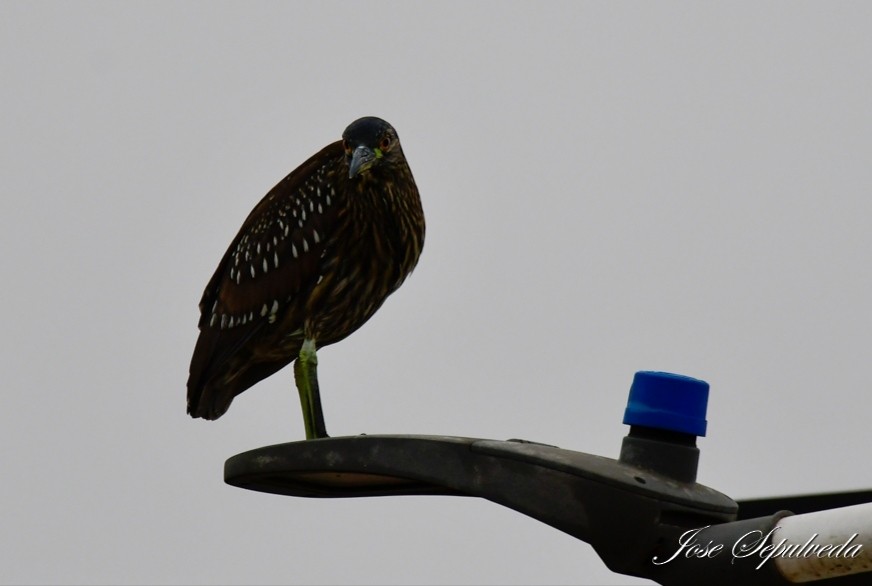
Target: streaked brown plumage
(312, 263)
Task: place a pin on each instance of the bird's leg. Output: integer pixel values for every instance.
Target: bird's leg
(306, 376)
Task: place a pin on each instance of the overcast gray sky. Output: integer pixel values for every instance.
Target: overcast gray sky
(609, 187)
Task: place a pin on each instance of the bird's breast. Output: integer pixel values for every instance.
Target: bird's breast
(369, 255)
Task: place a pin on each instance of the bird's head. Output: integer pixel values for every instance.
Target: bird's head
(370, 143)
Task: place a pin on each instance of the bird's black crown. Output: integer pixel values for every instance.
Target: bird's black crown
(367, 131)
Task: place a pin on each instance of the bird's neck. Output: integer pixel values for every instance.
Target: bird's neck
(387, 211)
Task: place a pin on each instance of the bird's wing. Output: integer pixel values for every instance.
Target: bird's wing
(273, 260)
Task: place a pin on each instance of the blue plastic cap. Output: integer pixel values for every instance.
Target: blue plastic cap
(667, 401)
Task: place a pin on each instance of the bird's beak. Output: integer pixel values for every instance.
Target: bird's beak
(361, 160)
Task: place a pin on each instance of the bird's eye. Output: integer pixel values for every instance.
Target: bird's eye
(385, 143)
(346, 146)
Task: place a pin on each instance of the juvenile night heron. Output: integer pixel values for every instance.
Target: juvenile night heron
(313, 261)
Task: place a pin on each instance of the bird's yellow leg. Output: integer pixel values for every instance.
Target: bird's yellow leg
(306, 376)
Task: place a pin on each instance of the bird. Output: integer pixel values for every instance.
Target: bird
(312, 262)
